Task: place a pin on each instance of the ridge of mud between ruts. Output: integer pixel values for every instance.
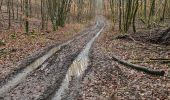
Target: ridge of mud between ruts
(40, 83)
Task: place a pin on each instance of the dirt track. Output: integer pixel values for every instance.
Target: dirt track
(61, 74)
(42, 80)
(106, 79)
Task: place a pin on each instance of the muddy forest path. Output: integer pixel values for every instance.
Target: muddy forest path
(47, 75)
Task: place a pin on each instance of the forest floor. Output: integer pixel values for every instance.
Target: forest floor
(104, 79)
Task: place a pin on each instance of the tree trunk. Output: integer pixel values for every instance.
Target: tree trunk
(164, 9)
(152, 11)
(9, 13)
(134, 16)
(27, 16)
(1, 5)
(42, 15)
(145, 2)
(120, 16)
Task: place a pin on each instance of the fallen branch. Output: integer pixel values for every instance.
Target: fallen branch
(147, 61)
(152, 61)
(160, 59)
(139, 68)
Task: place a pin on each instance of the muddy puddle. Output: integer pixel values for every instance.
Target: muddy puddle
(21, 76)
(33, 66)
(77, 68)
(12, 83)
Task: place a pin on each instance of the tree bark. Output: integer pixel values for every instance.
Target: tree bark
(27, 15)
(9, 13)
(1, 5)
(164, 9)
(120, 15)
(134, 16)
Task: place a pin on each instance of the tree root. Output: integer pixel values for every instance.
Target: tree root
(139, 68)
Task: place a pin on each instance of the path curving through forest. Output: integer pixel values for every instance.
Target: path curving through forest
(41, 78)
(34, 65)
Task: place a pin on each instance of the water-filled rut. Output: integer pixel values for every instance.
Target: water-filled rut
(77, 68)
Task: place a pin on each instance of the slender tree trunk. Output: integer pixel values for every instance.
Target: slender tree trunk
(13, 9)
(1, 5)
(21, 12)
(27, 16)
(30, 8)
(9, 13)
(152, 11)
(128, 15)
(164, 9)
(17, 9)
(134, 16)
(145, 2)
(42, 15)
(120, 16)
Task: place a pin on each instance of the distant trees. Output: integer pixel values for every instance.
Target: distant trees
(127, 14)
(57, 12)
(85, 9)
(150, 12)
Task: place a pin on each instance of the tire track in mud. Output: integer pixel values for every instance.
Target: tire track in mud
(40, 53)
(77, 68)
(33, 66)
(95, 83)
(40, 83)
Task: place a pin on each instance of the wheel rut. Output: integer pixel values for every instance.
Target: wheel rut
(42, 78)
